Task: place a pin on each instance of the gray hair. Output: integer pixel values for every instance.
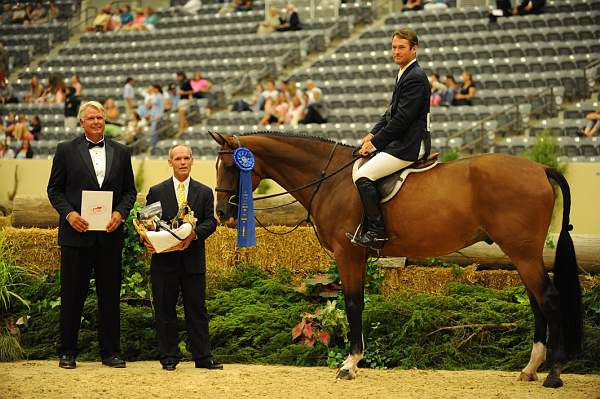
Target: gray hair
(180, 145)
(93, 104)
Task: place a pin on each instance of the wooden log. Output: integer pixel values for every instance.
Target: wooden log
(36, 211)
(33, 211)
(489, 257)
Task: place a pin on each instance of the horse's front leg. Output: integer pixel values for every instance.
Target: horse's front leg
(351, 267)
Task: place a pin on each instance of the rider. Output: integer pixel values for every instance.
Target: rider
(400, 137)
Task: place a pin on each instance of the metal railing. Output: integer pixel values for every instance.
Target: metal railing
(511, 119)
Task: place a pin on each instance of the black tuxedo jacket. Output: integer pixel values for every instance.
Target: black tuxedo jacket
(403, 126)
(72, 171)
(200, 199)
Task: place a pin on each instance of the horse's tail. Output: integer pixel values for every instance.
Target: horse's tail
(566, 274)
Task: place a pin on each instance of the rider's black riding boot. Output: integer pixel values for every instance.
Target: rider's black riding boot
(375, 236)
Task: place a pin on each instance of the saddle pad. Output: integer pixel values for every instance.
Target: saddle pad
(389, 186)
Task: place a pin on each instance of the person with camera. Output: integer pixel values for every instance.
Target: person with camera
(183, 269)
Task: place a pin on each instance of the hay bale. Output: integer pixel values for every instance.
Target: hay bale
(436, 280)
(298, 252)
(5, 221)
(35, 249)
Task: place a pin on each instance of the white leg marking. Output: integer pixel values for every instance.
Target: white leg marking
(538, 355)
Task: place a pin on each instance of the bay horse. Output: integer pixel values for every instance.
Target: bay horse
(489, 197)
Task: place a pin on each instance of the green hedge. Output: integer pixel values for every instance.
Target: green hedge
(253, 316)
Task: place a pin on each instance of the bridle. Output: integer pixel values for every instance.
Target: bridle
(317, 182)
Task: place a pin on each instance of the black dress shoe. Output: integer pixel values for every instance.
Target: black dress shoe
(169, 366)
(114, 361)
(67, 362)
(208, 364)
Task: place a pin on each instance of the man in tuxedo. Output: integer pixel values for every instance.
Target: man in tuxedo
(400, 137)
(292, 20)
(90, 162)
(183, 270)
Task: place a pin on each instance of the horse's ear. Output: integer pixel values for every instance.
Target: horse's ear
(217, 137)
(224, 139)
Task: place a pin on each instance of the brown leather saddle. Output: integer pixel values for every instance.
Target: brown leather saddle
(389, 185)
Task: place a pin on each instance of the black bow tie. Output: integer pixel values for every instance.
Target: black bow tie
(98, 144)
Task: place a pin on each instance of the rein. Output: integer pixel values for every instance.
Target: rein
(317, 182)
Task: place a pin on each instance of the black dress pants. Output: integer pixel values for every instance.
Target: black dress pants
(75, 273)
(166, 286)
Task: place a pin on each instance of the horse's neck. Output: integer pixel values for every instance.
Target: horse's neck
(298, 163)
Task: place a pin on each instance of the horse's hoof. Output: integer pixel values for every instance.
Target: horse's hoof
(553, 382)
(344, 374)
(527, 377)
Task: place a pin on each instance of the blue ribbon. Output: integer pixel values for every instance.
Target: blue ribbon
(244, 160)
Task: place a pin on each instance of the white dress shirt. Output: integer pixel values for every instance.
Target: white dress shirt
(98, 155)
(401, 71)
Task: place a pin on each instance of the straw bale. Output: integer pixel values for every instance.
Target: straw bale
(5, 221)
(35, 249)
(436, 280)
(298, 252)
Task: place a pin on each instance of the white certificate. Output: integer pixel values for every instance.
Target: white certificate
(96, 208)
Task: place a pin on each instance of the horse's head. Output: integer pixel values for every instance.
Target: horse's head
(228, 177)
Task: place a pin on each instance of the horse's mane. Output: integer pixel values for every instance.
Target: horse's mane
(297, 136)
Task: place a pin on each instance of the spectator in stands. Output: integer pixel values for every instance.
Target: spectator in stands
(24, 151)
(437, 89)
(5, 151)
(4, 64)
(102, 21)
(316, 110)
(39, 15)
(21, 131)
(155, 112)
(272, 111)
(6, 15)
(56, 91)
(412, 5)
(6, 92)
(592, 125)
(35, 127)
(138, 21)
(9, 127)
(72, 102)
(36, 90)
(113, 124)
(466, 91)
(271, 92)
(19, 14)
(150, 19)
(270, 23)
(133, 131)
(126, 15)
(115, 20)
(523, 7)
(172, 98)
(255, 103)
(129, 95)
(53, 12)
(312, 90)
(76, 84)
(291, 20)
(243, 5)
(295, 112)
(200, 86)
(451, 89)
(186, 93)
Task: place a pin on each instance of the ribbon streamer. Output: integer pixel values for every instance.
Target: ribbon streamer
(246, 235)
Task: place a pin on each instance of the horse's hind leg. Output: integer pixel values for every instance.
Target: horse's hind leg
(538, 351)
(351, 267)
(544, 299)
